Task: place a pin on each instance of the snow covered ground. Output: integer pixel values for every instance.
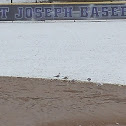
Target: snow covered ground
(75, 49)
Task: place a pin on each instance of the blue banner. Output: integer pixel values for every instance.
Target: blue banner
(40, 12)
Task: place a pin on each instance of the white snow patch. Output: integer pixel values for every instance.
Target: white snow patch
(75, 49)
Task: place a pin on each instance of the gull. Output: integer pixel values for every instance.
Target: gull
(119, 85)
(73, 81)
(99, 84)
(57, 75)
(89, 79)
(65, 78)
(117, 123)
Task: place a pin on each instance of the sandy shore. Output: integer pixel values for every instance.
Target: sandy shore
(41, 102)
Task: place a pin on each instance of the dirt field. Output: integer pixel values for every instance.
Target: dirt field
(41, 102)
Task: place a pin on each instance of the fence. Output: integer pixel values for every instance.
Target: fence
(62, 11)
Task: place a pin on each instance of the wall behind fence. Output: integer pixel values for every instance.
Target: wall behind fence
(65, 11)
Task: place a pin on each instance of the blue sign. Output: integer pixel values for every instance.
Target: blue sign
(62, 12)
